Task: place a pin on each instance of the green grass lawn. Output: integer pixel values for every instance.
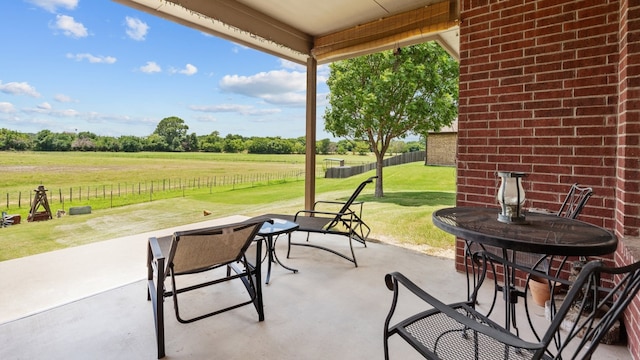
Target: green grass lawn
(403, 216)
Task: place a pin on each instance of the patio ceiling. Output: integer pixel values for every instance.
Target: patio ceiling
(326, 30)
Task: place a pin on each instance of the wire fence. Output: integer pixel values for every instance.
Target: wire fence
(148, 190)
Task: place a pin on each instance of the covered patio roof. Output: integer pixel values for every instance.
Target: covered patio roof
(327, 30)
(315, 32)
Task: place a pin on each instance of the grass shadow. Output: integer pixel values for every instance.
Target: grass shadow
(413, 198)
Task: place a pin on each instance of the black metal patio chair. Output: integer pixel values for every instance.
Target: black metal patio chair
(196, 251)
(460, 331)
(575, 201)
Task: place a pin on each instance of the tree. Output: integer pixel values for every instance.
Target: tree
(155, 142)
(322, 146)
(391, 94)
(397, 147)
(234, 144)
(107, 143)
(130, 143)
(13, 140)
(174, 132)
(212, 142)
(190, 143)
(84, 141)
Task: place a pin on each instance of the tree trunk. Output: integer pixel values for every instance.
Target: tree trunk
(379, 193)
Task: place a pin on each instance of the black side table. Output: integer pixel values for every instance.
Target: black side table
(268, 231)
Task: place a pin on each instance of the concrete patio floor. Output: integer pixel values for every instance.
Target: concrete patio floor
(89, 302)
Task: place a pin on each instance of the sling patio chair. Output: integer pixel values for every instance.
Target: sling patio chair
(345, 222)
(460, 331)
(187, 253)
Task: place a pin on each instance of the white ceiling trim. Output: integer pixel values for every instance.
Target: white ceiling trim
(240, 23)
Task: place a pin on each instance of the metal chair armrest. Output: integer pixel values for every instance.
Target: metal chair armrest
(494, 331)
(316, 212)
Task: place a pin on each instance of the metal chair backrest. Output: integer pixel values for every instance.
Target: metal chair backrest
(349, 202)
(574, 202)
(590, 310)
(355, 194)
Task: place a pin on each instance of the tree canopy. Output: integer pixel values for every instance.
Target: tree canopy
(173, 131)
(391, 94)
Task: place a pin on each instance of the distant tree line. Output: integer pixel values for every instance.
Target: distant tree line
(171, 135)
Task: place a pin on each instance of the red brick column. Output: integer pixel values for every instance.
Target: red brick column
(628, 157)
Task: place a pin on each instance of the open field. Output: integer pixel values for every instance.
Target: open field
(412, 192)
(25, 170)
(105, 180)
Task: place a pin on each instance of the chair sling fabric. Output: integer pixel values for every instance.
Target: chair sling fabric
(460, 331)
(195, 251)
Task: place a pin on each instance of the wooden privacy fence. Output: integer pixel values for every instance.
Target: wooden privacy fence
(347, 171)
(104, 192)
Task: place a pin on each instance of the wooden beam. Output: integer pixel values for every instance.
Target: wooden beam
(396, 29)
(244, 18)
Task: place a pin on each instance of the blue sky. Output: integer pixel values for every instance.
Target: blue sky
(99, 66)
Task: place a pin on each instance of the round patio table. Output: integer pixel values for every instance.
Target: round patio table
(544, 234)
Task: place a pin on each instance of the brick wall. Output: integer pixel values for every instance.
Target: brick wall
(441, 149)
(551, 88)
(628, 157)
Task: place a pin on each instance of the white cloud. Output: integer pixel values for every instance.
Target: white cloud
(45, 106)
(206, 118)
(276, 87)
(189, 70)
(53, 5)
(70, 27)
(6, 107)
(150, 67)
(63, 98)
(234, 108)
(47, 109)
(136, 28)
(322, 70)
(92, 58)
(19, 88)
(286, 64)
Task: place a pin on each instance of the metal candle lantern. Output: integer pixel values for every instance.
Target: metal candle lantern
(511, 197)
